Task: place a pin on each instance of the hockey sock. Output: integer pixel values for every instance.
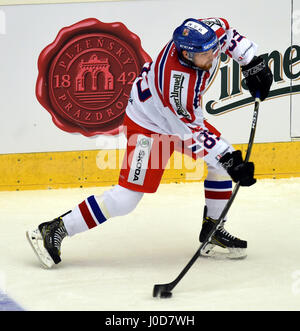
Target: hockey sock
(95, 210)
(217, 194)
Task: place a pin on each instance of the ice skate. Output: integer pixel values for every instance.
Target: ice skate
(46, 241)
(232, 247)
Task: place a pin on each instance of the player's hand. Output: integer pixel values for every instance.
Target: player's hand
(238, 170)
(258, 77)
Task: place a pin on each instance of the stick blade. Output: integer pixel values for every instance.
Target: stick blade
(162, 291)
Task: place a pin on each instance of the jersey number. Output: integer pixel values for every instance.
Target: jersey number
(143, 94)
(234, 42)
(206, 138)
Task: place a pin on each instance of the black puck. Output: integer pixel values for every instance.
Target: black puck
(165, 294)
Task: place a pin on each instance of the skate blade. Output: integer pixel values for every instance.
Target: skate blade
(219, 253)
(35, 240)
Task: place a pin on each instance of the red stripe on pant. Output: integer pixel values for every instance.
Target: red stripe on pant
(218, 195)
(88, 218)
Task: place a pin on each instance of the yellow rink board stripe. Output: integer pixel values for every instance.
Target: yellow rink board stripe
(53, 170)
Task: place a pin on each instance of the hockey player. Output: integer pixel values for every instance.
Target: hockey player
(164, 103)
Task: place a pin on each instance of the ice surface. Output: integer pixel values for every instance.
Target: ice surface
(114, 266)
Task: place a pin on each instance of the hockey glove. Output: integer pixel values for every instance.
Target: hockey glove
(258, 77)
(238, 170)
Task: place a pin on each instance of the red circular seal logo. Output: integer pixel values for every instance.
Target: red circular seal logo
(86, 74)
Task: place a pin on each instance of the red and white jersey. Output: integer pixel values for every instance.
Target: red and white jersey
(166, 97)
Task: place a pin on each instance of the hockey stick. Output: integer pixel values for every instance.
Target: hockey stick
(164, 290)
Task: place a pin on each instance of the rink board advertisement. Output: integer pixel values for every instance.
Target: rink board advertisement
(67, 70)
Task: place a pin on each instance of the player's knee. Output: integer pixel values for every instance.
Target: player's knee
(120, 201)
